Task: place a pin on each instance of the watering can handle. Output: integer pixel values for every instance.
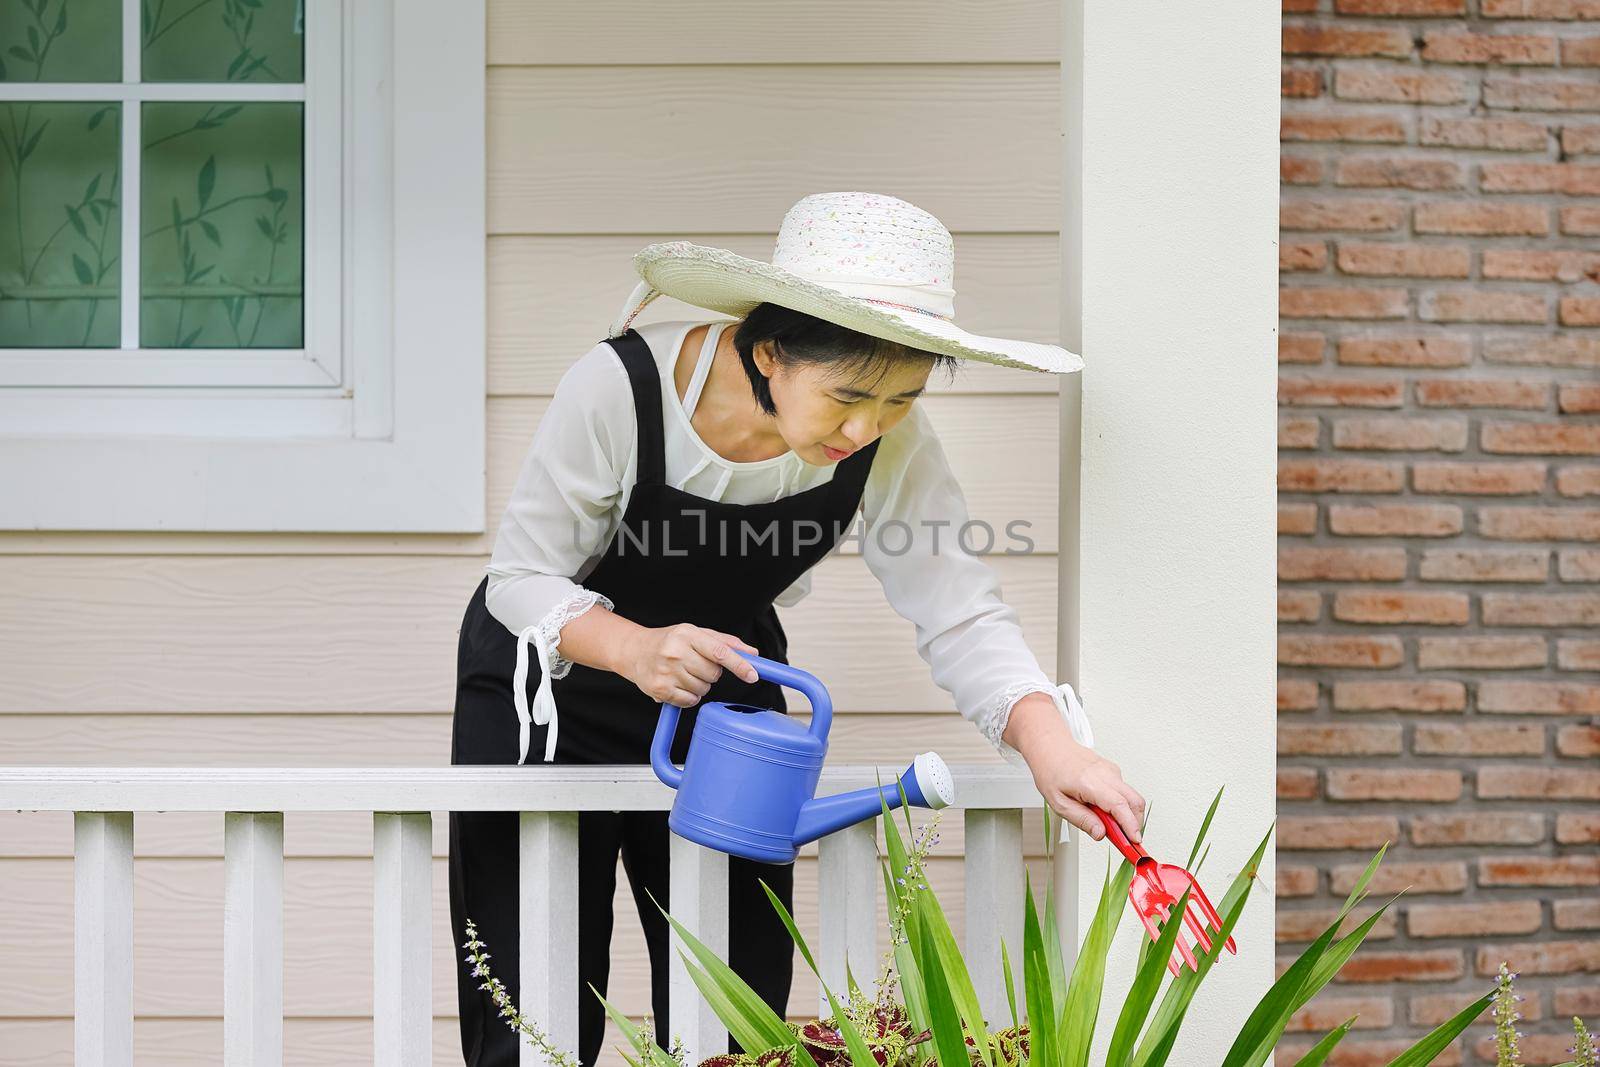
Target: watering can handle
(769, 670)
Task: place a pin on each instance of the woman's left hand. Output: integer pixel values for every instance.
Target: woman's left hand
(1069, 775)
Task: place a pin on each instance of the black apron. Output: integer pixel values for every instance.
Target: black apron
(675, 557)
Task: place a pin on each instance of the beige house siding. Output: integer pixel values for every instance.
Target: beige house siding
(610, 125)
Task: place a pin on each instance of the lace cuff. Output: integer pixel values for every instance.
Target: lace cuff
(993, 717)
(549, 631)
(544, 636)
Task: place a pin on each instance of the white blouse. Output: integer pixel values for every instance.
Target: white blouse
(579, 472)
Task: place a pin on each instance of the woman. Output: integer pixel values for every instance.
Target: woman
(684, 479)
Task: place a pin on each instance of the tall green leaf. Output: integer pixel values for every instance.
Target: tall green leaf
(1438, 1039)
(1205, 825)
(860, 1054)
(1271, 1014)
(1011, 989)
(1320, 1051)
(949, 1042)
(1036, 987)
(1339, 954)
(1076, 1033)
(654, 1055)
(1146, 982)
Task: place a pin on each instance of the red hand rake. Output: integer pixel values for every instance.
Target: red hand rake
(1156, 890)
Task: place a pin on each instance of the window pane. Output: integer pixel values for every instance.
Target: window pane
(39, 43)
(60, 229)
(231, 41)
(222, 221)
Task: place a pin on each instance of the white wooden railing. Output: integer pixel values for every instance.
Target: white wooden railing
(253, 801)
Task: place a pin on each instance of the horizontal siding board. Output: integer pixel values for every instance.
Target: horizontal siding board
(669, 150)
(551, 299)
(214, 635)
(626, 32)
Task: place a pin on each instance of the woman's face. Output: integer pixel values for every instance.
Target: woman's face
(823, 408)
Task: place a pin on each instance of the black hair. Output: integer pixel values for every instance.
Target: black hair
(800, 338)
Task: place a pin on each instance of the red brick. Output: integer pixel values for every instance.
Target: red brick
(1448, 46)
(1577, 828)
(1482, 305)
(1421, 350)
(1301, 83)
(1297, 783)
(1578, 310)
(1549, 957)
(1474, 920)
(1481, 652)
(1400, 606)
(1341, 213)
(1539, 698)
(1338, 302)
(1400, 8)
(1549, 438)
(1540, 9)
(1581, 140)
(1302, 255)
(1579, 52)
(1296, 881)
(1436, 965)
(1576, 914)
(1578, 565)
(1533, 92)
(1404, 86)
(1395, 520)
(1580, 220)
(1299, 606)
(1584, 1001)
(1540, 264)
(1393, 259)
(1338, 831)
(1421, 786)
(1465, 393)
(1337, 650)
(1300, 347)
(1449, 876)
(1400, 434)
(1484, 219)
(1325, 1013)
(1577, 654)
(1341, 392)
(1339, 476)
(1498, 134)
(1430, 1010)
(1539, 524)
(1550, 871)
(1478, 479)
(1307, 924)
(1402, 172)
(1478, 828)
(1341, 564)
(1478, 739)
(1578, 742)
(1483, 565)
(1578, 481)
(1568, 179)
(1399, 696)
(1338, 739)
(1555, 350)
(1299, 431)
(1529, 609)
(1308, 39)
(1578, 398)
(1297, 694)
(1360, 129)
(1532, 783)
(1297, 518)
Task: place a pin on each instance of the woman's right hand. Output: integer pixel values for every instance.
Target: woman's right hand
(677, 664)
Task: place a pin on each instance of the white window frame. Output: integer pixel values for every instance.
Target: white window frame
(377, 424)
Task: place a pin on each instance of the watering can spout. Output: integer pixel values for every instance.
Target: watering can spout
(927, 783)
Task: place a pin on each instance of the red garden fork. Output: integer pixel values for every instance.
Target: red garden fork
(1155, 891)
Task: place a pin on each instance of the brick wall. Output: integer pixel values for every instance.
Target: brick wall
(1439, 512)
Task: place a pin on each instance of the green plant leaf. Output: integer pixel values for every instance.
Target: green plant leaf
(1319, 1052)
(1205, 825)
(1036, 988)
(1438, 1039)
(744, 1030)
(1358, 892)
(1011, 989)
(654, 1055)
(860, 1054)
(1339, 954)
(949, 1042)
(748, 1012)
(1082, 1008)
(1146, 983)
(1271, 1014)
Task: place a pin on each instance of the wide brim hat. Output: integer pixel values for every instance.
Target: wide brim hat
(865, 261)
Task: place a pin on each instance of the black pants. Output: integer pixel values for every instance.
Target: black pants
(483, 887)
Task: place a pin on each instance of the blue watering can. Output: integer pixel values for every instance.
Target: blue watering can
(748, 785)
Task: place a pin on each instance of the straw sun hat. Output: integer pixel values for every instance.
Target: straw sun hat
(865, 261)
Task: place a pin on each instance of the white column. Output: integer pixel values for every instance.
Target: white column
(102, 943)
(848, 878)
(698, 891)
(402, 939)
(252, 939)
(548, 930)
(994, 888)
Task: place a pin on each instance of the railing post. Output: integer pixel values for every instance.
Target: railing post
(102, 881)
(252, 939)
(547, 943)
(402, 938)
(847, 906)
(994, 887)
(698, 898)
